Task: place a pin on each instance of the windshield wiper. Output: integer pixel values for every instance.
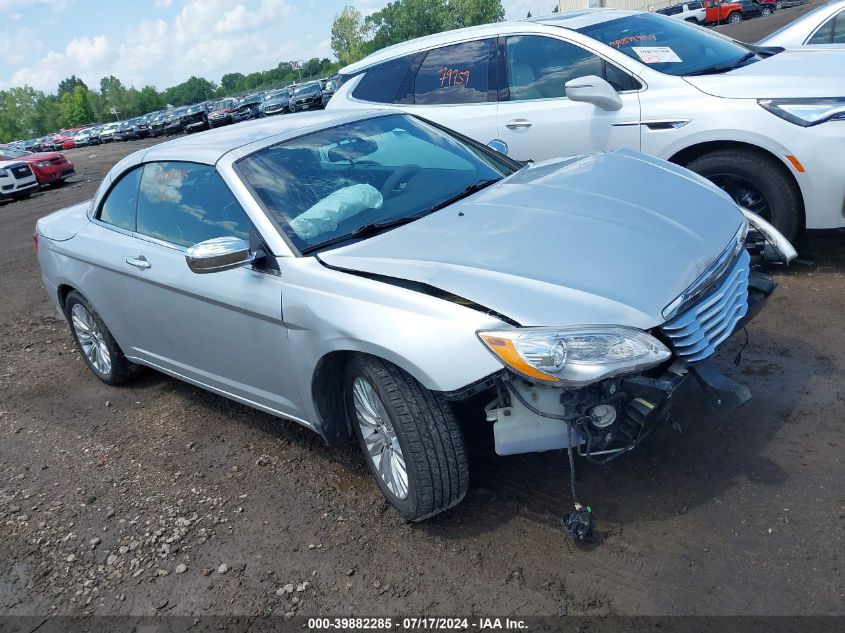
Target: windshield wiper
(468, 191)
(365, 230)
(722, 68)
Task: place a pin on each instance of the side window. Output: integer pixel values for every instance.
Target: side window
(381, 82)
(692, 6)
(825, 33)
(674, 10)
(187, 203)
(539, 67)
(839, 29)
(119, 206)
(455, 74)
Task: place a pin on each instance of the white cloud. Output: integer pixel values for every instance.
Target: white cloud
(207, 38)
(162, 4)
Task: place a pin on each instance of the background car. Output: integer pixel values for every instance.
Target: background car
(754, 9)
(276, 102)
(688, 11)
(157, 123)
(50, 168)
(824, 26)
(108, 132)
(195, 118)
(327, 91)
(307, 96)
(82, 138)
(220, 113)
(16, 180)
(248, 108)
(173, 123)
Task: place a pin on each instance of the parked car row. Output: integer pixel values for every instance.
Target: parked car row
(713, 12)
(22, 171)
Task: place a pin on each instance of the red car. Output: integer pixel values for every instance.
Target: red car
(48, 167)
(64, 139)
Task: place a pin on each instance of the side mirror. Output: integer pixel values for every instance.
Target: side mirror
(218, 254)
(498, 145)
(595, 90)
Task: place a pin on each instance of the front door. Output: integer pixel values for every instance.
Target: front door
(222, 330)
(538, 122)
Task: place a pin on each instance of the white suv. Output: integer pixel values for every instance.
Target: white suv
(768, 127)
(16, 180)
(689, 12)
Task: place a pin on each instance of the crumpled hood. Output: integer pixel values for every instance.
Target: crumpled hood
(40, 156)
(608, 238)
(798, 72)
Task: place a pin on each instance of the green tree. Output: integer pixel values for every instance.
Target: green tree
(75, 108)
(403, 20)
(149, 100)
(194, 90)
(68, 85)
(348, 35)
(229, 82)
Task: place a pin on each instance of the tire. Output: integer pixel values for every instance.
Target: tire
(424, 428)
(764, 173)
(765, 11)
(778, 5)
(23, 195)
(119, 369)
(735, 17)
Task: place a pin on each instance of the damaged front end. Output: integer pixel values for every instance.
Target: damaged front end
(601, 390)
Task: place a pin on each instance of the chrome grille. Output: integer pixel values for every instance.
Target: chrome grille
(696, 333)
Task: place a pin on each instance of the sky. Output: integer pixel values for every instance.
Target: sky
(163, 42)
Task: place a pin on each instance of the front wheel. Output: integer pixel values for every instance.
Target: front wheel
(758, 183)
(733, 18)
(409, 437)
(765, 11)
(96, 344)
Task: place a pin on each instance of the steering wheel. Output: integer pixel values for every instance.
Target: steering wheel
(403, 174)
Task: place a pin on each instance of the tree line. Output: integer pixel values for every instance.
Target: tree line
(26, 112)
(354, 36)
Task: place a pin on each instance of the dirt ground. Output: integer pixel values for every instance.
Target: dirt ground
(161, 498)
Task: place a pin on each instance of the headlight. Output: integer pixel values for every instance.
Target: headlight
(806, 112)
(574, 356)
(43, 163)
(4, 173)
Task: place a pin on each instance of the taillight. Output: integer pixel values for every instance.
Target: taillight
(35, 242)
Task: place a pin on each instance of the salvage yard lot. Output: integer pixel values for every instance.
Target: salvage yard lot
(159, 497)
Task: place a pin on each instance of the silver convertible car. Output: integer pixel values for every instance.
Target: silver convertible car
(362, 272)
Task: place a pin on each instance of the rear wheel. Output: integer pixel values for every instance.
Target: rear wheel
(96, 344)
(734, 17)
(765, 11)
(757, 182)
(410, 438)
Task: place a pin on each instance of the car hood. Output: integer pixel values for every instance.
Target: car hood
(799, 72)
(609, 238)
(37, 157)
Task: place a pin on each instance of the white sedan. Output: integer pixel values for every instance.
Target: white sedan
(761, 124)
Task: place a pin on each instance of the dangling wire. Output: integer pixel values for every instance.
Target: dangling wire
(738, 357)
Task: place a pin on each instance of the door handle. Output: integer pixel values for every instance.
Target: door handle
(138, 262)
(517, 124)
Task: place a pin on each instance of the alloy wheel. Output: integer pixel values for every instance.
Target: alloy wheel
(382, 445)
(744, 193)
(91, 339)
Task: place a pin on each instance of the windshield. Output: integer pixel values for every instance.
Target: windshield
(325, 186)
(309, 89)
(223, 105)
(668, 45)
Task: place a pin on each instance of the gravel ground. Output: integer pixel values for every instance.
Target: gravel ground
(161, 498)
